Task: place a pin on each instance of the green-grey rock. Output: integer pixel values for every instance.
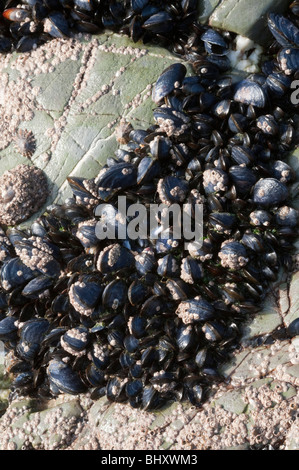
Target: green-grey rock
(247, 17)
(72, 95)
(206, 8)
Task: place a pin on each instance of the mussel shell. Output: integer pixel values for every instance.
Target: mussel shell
(253, 241)
(185, 338)
(269, 192)
(115, 295)
(56, 25)
(16, 14)
(293, 328)
(284, 31)
(31, 335)
(195, 310)
(287, 216)
(115, 390)
(76, 340)
(34, 330)
(37, 286)
(283, 172)
(167, 266)
(94, 376)
(8, 329)
(137, 293)
(100, 356)
(214, 43)
(145, 262)
(191, 270)
(250, 93)
(168, 80)
(64, 378)
(160, 147)
(222, 221)
(131, 343)
(86, 293)
(159, 23)
(120, 176)
(195, 394)
(151, 399)
(115, 258)
(267, 124)
(14, 273)
(243, 179)
(147, 170)
(288, 60)
(260, 218)
(138, 326)
(134, 388)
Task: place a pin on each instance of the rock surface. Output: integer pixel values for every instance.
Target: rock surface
(245, 17)
(71, 95)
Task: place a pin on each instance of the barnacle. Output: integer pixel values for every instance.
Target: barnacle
(23, 190)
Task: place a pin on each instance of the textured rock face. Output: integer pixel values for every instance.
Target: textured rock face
(245, 17)
(257, 406)
(73, 135)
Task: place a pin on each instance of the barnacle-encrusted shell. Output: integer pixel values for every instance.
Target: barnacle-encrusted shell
(23, 190)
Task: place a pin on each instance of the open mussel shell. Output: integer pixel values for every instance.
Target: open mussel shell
(214, 43)
(16, 14)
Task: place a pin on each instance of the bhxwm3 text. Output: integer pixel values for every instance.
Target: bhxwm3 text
(146, 458)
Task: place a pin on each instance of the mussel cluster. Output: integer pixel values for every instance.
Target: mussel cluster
(26, 24)
(149, 320)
